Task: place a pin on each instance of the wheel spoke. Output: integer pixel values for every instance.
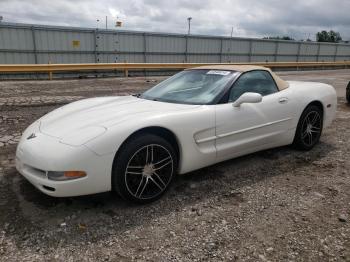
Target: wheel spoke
(152, 153)
(134, 173)
(308, 122)
(163, 163)
(305, 124)
(143, 188)
(163, 160)
(161, 188)
(315, 118)
(149, 154)
(167, 163)
(135, 170)
(158, 177)
(138, 188)
(136, 167)
(310, 138)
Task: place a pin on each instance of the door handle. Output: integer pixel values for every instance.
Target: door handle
(283, 100)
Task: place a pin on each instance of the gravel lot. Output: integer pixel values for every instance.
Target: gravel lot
(276, 205)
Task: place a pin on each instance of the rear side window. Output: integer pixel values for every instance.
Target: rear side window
(254, 81)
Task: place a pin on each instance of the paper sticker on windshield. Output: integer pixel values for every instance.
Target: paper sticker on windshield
(218, 72)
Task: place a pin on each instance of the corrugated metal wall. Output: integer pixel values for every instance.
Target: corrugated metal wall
(20, 43)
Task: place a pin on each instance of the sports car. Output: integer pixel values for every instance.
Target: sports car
(136, 144)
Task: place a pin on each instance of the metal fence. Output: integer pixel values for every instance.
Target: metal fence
(36, 44)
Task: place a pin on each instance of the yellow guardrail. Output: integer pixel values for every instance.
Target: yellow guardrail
(125, 67)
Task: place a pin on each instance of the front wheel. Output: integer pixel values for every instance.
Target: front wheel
(309, 128)
(144, 168)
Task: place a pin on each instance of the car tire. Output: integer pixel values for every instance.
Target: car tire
(348, 93)
(309, 128)
(144, 168)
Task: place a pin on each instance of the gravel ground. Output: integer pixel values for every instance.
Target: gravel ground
(275, 205)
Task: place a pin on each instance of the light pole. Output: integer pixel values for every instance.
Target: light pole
(189, 24)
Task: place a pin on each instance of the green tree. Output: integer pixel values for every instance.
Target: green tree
(331, 36)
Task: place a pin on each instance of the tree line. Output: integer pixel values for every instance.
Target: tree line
(323, 36)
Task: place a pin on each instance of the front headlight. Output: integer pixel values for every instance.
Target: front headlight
(67, 175)
(83, 135)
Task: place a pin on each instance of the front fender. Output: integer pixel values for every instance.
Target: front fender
(191, 128)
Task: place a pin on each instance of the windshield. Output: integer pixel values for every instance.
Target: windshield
(191, 87)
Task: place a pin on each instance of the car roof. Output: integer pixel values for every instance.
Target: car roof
(281, 84)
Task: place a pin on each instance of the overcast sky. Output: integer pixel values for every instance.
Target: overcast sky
(251, 18)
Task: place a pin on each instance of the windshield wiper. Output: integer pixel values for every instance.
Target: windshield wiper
(137, 95)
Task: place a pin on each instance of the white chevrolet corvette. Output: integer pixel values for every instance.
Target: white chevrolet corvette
(198, 117)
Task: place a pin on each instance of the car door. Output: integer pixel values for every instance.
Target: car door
(253, 126)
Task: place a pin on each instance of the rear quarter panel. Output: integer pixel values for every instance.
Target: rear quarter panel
(306, 92)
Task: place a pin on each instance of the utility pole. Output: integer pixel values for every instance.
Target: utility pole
(189, 24)
(106, 22)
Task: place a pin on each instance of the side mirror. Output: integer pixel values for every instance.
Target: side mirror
(247, 98)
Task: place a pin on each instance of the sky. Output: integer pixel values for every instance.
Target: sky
(300, 19)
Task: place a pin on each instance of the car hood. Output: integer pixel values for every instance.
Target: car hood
(102, 112)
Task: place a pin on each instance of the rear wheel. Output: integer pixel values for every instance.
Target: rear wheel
(144, 168)
(309, 128)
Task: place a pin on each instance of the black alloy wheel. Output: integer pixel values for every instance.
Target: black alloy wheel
(309, 128)
(144, 168)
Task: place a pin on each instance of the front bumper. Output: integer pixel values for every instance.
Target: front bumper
(36, 156)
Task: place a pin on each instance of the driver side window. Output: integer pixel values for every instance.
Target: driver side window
(257, 81)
